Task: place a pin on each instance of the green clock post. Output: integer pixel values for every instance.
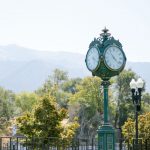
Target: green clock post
(105, 59)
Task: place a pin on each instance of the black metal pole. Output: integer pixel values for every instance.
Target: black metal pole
(137, 108)
(136, 126)
(136, 100)
(121, 140)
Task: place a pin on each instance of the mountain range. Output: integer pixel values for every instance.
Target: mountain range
(24, 69)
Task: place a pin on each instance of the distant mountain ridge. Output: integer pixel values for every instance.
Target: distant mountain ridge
(23, 69)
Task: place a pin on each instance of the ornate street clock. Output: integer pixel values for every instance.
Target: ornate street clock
(105, 57)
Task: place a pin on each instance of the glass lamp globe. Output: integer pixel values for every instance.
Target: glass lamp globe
(140, 83)
(133, 84)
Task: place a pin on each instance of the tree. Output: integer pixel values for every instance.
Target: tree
(45, 88)
(25, 101)
(145, 105)
(7, 107)
(59, 86)
(144, 127)
(59, 76)
(123, 97)
(55, 80)
(52, 85)
(45, 120)
(87, 104)
(146, 98)
(65, 91)
(70, 86)
(128, 129)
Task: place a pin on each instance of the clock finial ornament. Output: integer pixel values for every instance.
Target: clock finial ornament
(105, 34)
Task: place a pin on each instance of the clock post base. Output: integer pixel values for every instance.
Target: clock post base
(106, 137)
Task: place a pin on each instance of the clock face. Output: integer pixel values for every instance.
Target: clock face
(92, 59)
(114, 58)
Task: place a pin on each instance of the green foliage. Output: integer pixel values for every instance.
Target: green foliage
(70, 85)
(46, 87)
(146, 98)
(6, 103)
(7, 107)
(126, 107)
(123, 82)
(87, 104)
(25, 101)
(59, 86)
(53, 82)
(25, 124)
(123, 97)
(45, 120)
(59, 76)
(64, 99)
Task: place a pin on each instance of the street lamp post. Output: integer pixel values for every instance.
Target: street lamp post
(136, 89)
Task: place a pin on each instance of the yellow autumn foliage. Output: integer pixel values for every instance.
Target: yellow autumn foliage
(128, 128)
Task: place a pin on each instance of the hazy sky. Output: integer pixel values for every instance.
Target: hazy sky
(70, 25)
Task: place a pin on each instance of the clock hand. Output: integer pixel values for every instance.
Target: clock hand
(114, 57)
